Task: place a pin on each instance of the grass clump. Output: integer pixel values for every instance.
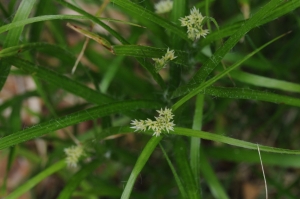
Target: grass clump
(79, 94)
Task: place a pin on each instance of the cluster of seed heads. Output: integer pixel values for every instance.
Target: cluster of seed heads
(73, 154)
(161, 123)
(194, 24)
(162, 62)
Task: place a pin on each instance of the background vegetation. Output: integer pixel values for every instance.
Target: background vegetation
(230, 91)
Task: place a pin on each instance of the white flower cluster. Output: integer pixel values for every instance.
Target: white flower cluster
(73, 154)
(163, 6)
(162, 123)
(162, 62)
(194, 24)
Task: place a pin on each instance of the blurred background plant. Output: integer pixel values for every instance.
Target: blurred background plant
(69, 92)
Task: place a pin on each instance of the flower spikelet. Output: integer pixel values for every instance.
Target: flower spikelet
(162, 62)
(163, 6)
(161, 123)
(193, 22)
(73, 154)
(138, 125)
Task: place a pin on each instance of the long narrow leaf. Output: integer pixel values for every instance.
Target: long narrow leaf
(144, 13)
(179, 10)
(13, 36)
(177, 179)
(185, 171)
(214, 185)
(195, 141)
(220, 75)
(14, 50)
(36, 179)
(61, 81)
(24, 22)
(231, 141)
(215, 59)
(245, 93)
(65, 83)
(203, 135)
(266, 82)
(140, 163)
(71, 119)
(228, 30)
(243, 155)
(77, 179)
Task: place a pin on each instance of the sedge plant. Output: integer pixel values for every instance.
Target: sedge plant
(149, 99)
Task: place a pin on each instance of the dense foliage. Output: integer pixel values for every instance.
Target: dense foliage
(149, 99)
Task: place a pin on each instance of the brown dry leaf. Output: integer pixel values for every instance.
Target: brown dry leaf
(250, 190)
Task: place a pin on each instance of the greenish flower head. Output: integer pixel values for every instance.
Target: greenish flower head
(162, 62)
(161, 123)
(193, 22)
(73, 154)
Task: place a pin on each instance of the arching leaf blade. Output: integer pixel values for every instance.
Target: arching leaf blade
(71, 119)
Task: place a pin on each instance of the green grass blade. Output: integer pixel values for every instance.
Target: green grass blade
(64, 82)
(245, 93)
(11, 159)
(266, 82)
(140, 163)
(253, 63)
(230, 141)
(177, 179)
(179, 10)
(23, 12)
(148, 15)
(214, 185)
(71, 119)
(61, 81)
(13, 36)
(36, 29)
(231, 29)
(195, 141)
(36, 179)
(77, 178)
(203, 135)
(185, 171)
(216, 58)
(215, 78)
(243, 155)
(15, 50)
(148, 52)
(24, 22)
(284, 8)
(110, 73)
